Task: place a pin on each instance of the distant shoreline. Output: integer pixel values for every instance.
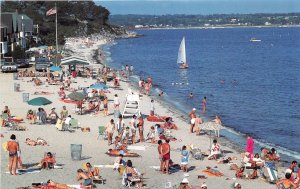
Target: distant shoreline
(218, 27)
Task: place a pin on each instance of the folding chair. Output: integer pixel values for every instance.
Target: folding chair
(101, 131)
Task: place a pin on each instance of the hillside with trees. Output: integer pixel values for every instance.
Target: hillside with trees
(75, 18)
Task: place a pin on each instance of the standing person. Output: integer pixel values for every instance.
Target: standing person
(184, 159)
(204, 105)
(152, 108)
(133, 126)
(159, 149)
(165, 153)
(116, 102)
(217, 120)
(140, 126)
(64, 113)
(250, 146)
(105, 106)
(192, 116)
(131, 69)
(19, 156)
(110, 131)
(120, 126)
(12, 148)
(6, 111)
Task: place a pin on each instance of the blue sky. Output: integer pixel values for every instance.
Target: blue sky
(158, 7)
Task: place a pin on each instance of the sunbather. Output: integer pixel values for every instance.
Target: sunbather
(286, 183)
(212, 172)
(31, 116)
(273, 155)
(169, 125)
(133, 175)
(119, 145)
(215, 150)
(39, 141)
(115, 152)
(240, 172)
(50, 184)
(88, 183)
(93, 172)
(151, 135)
(48, 161)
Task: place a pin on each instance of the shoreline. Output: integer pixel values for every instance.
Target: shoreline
(217, 27)
(287, 155)
(94, 149)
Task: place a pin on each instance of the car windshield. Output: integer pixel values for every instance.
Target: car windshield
(8, 64)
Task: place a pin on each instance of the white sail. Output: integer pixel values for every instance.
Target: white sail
(181, 52)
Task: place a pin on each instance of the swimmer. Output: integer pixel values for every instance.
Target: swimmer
(191, 95)
(161, 93)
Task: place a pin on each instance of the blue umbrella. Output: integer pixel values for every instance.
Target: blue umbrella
(98, 86)
(39, 101)
(55, 68)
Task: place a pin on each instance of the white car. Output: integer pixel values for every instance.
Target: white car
(9, 67)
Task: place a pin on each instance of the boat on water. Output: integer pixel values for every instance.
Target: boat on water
(181, 60)
(254, 40)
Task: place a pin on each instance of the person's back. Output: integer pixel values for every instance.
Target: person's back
(12, 146)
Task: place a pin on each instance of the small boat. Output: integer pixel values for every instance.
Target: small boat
(254, 40)
(181, 60)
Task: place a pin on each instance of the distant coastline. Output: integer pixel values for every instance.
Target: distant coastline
(220, 27)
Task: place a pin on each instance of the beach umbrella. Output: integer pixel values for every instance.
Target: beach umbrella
(39, 101)
(99, 86)
(76, 96)
(55, 68)
(210, 126)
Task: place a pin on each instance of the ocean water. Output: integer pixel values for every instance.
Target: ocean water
(253, 86)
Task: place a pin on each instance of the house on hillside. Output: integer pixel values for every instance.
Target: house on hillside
(16, 29)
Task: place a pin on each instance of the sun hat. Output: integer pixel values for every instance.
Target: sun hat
(194, 108)
(185, 180)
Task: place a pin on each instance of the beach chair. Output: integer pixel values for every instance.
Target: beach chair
(74, 124)
(101, 132)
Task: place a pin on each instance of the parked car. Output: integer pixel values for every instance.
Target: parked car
(22, 63)
(42, 64)
(9, 67)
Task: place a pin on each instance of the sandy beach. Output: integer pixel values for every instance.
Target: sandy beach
(94, 148)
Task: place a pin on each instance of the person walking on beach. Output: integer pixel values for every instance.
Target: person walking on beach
(192, 116)
(110, 131)
(12, 148)
(133, 126)
(19, 155)
(120, 126)
(250, 146)
(140, 126)
(152, 108)
(204, 105)
(165, 154)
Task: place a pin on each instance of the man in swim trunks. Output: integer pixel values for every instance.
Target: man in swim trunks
(165, 154)
(82, 175)
(12, 148)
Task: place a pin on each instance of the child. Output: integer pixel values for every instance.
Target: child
(126, 135)
(151, 135)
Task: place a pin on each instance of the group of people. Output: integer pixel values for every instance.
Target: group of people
(145, 86)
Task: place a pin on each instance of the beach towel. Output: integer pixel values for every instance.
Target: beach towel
(138, 148)
(104, 166)
(26, 171)
(213, 172)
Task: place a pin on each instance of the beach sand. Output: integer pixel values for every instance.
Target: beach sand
(94, 149)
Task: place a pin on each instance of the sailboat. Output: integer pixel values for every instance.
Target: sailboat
(181, 60)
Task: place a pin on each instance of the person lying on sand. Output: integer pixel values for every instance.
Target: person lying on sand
(225, 161)
(38, 141)
(114, 152)
(169, 125)
(212, 172)
(48, 161)
(93, 172)
(51, 184)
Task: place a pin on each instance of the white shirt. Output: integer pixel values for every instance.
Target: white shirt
(152, 106)
(67, 121)
(120, 125)
(116, 101)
